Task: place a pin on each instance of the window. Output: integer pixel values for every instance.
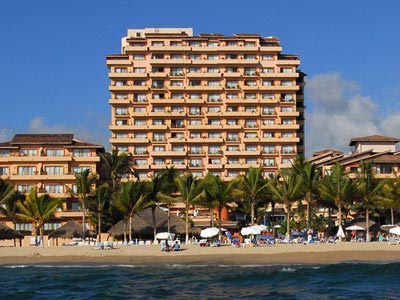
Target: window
(194, 43)
(81, 152)
(121, 122)
(232, 84)
(4, 171)
(250, 83)
(287, 109)
(176, 56)
(54, 170)
(232, 148)
(158, 84)
(121, 96)
(286, 70)
(251, 148)
(268, 96)
(195, 135)
(138, 56)
(269, 162)
(175, 43)
(287, 134)
(140, 122)
(232, 96)
(267, 57)
(233, 174)
(24, 188)
(80, 169)
(140, 150)
(231, 69)
(212, 44)
(232, 136)
(177, 123)
(176, 71)
(269, 149)
(194, 70)
(157, 43)
(233, 161)
(384, 169)
(214, 109)
(23, 226)
(287, 121)
(250, 96)
(268, 122)
(195, 150)
(159, 161)
(251, 123)
(268, 134)
(251, 161)
(26, 170)
(54, 152)
(177, 96)
(231, 43)
(268, 110)
(231, 121)
(287, 150)
(197, 174)
(230, 56)
(139, 70)
(213, 70)
(194, 56)
(121, 111)
(249, 44)
(287, 82)
(213, 83)
(158, 122)
(267, 82)
(120, 70)
(287, 98)
(28, 152)
(139, 98)
(140, 135)
(214, 122)
(250, 135)
(158, 136)
(195, 122)
(287, 160)
(139, 82)
(214, 161)
(54, 188)
(249, 71)
(250, 109)
(158, 108)
(121, 135)
(268, 70)
(4, 153)
(212, 57)
(195, 83)
(178, 161)
(121, 148)
(177, 109)
(159, 148)
(249, 56)
(231, 108)
(176, 83)
(195, 163)
(214, 149)
(214, 135)
(120, 83)
(177, 148)
(194, 110)
(213, 98)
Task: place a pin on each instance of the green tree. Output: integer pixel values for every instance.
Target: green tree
(337, 188)
(130, 200)
(6, 191)
(83, 190)
(286, 189)
(369, 189)
(153, 196)
(38, 210)
(117, 165)
(218, 195)
(249, 188)
(390, 197)
(311, 177)
(101, 201)
(8, 198)
(190, 192)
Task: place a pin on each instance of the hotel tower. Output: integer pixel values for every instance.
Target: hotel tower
(208, 103)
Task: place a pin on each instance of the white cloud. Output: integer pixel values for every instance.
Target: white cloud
(338, 112)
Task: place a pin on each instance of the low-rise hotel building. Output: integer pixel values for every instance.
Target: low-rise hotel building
(49, 163)
(205, 104)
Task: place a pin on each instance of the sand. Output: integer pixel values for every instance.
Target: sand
(193, 254)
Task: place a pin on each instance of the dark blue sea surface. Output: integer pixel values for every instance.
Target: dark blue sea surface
(333, 281)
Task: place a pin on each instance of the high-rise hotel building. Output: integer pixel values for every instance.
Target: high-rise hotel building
(205, 104)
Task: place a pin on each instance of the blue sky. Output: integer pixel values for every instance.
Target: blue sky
(53, 76)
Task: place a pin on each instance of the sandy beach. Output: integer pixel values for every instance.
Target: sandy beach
(193, 254)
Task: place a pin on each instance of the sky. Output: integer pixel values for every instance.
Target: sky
(53, 74)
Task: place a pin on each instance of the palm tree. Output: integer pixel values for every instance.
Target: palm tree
(390, 197)
(101, 199)
(286, 189)
(337, 187)
(6, 191)
(83, 189)
(311, 177)
(117, 165)
(153, 195)
(168, 189)
(190, 193)
(130, 199)
(8, 198)
(249, 188)
(218, 195)
(369, 188)
(38, 210)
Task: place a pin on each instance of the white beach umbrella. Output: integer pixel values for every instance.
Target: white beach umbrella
(250, 230)
(340, 232)
(387, 227)
(355, 227)
(209, 232)
(165, 236)
(395, 230)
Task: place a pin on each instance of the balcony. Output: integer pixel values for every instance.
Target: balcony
(214, 166)
(214, 140)
(44, 158)
(203, 75)
(30, 177)
(168, 153)
(204, 127)
(232, 75)
(118, 62)
(289, 114)
(119, 101)
(158, 75)
(92, 158)
(273, 75)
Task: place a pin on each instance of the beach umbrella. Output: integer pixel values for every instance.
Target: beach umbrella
(388, 227)
(7, 233)
(340, 232)
(165, 236)
(250, 230)
(355, 227)
(395, 230)
(70, 230)
(209, 232)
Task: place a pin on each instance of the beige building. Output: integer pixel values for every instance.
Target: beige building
(205, 104)
(49, 162)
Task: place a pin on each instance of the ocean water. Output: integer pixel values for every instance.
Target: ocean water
(332, 281)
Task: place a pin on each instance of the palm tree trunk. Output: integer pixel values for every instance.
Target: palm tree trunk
(288, 221)
(83, 220)
(130, 227)
(392, 216)
(124, 230)
(41, 234)
(211, 217)
(367, 239)
(153, 214)
(308, 200)
(187, 225)
(169, 219)
(220, 223)
(252, 205)
(99, 226)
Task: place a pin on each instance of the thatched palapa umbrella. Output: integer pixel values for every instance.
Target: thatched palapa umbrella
(7, 233)
(69, 230)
